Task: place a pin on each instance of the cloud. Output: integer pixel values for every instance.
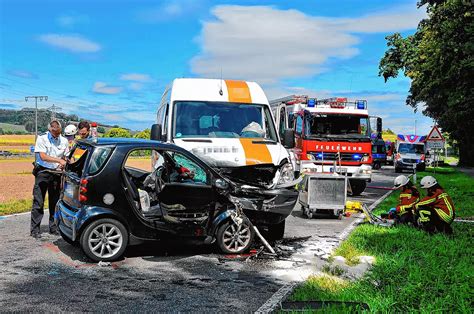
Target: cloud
(103, 88)
(70, 20)
(269, 45)
(70, 42)
(395, 20)
(135, 77)
(22, 74)
(169, 10)
(135, 86)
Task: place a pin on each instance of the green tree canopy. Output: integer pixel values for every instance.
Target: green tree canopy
(117, 132)
(145, 134)
(439, 60)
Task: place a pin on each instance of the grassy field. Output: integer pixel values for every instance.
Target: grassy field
(12, 127)
(413, 271)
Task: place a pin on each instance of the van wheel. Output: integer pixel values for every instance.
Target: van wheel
(276, 232)
(235, 239)
(104, 240)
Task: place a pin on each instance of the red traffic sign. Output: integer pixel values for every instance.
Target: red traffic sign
(435, 135)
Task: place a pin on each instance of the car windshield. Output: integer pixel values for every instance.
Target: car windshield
(409, 148)
(222, 120)
(337, 125)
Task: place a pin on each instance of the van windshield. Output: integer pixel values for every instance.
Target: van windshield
(408, 148)
(222, 120)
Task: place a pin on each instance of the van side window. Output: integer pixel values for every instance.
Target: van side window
(281, 124)
(299, 125)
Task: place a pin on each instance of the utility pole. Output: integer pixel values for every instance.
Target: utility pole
(36, 110)
(415, 127)
(53, 110)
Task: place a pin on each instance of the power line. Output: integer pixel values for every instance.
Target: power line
(36, 111)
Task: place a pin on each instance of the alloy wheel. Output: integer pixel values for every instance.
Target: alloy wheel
(105, 240)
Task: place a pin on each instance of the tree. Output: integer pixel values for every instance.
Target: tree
(101, 129)
(439, 60)
(117, 132)
(145, 134)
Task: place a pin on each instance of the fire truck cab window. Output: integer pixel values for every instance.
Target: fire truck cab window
(299, 125)
(321, 124)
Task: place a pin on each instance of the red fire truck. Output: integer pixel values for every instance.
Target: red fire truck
(331, 135)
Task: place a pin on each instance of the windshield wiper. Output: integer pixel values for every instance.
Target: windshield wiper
(265, 141)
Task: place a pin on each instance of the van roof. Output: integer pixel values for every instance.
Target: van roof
(199, 89)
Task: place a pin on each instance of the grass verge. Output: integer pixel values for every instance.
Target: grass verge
(413, 271)
(17, 206)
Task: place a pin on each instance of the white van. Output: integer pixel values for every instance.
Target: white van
(229, 124)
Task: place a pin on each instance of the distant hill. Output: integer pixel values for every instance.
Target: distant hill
(24, 120)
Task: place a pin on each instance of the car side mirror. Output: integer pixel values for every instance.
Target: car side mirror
(221, 184)
(288, 139)
(155, 133)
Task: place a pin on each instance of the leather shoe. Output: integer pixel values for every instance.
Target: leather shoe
(54, 232)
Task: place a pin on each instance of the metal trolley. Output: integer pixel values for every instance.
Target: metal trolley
(323, 193)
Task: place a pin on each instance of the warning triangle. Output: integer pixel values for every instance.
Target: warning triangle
(435, 135)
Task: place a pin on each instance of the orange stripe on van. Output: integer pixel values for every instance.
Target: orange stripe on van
(255, 153)
(238, 91)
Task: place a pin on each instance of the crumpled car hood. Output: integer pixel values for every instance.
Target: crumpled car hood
(261, 175)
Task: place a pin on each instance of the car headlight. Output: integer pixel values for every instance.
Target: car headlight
(365, 158)
(365, 169)
(286, 173)
(310, 157)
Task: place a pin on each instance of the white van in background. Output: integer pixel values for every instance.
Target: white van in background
(229, 124)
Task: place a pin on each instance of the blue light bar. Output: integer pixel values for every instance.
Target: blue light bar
(356, 156)
(319, 155)
(360, 104)
(311, 102)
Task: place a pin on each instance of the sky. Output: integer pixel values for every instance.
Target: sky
(110, 60)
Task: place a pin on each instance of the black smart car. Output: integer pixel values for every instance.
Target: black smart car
(120, 192)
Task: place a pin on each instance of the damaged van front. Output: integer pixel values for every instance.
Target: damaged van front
(229, 125)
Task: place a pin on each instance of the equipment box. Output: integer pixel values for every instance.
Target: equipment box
(323, 193)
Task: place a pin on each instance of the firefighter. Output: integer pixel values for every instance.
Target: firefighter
(70, 134)
(409, 196)
(436, 211)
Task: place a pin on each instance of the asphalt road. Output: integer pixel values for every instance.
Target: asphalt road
(51, 275)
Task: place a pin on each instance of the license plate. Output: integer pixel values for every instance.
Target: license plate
(68, 189)
(338, 169)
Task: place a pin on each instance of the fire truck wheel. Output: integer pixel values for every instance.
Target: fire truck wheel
(357, 187)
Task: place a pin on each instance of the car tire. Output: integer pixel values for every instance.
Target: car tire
(66, 238)
(104, 240)
(227, 238)
(358, 187)
(276, 231)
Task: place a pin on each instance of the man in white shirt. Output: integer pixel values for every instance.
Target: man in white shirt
(49, 153)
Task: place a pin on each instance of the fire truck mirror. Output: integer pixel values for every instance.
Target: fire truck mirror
(288, 139)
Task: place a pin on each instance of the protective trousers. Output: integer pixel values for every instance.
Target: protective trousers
(44, 182)
(431, 222)
(405, 219)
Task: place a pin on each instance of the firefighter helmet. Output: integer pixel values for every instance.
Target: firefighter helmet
(428, 182)
(399, 181)
(70, 130)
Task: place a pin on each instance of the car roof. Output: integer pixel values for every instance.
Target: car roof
(119, 141)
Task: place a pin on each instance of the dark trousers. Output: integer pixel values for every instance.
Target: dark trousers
(405, 219)
(44, 182)
(434, 223)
